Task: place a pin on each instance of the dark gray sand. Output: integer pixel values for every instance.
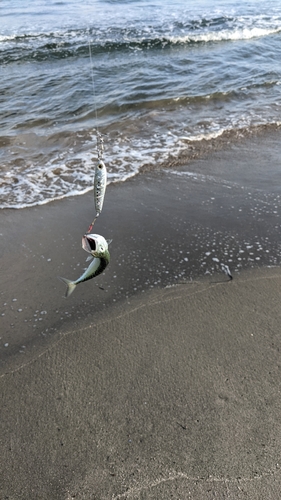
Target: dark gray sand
(161, 378)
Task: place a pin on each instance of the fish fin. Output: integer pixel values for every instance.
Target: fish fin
(89, 257)
(109, 241)
(70, 286)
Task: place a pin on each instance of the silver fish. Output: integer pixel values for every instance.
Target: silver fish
(99, 186)
(97, 246)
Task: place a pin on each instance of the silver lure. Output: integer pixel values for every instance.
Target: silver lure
(99, 186)
(97, 246)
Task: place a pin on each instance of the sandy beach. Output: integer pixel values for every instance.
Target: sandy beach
(160, 378)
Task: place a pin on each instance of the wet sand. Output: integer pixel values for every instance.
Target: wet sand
(161, 378)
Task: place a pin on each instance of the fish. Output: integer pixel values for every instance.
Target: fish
(97, 246)
(99, 186)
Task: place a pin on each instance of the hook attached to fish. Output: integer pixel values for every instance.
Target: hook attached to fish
(99, 182)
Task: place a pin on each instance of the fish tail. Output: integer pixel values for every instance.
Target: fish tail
(70, 286)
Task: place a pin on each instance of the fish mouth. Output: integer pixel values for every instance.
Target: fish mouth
(89, 243)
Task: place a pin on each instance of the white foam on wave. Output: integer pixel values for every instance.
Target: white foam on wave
(61, 178)
(39, 186)
(54, 181)
(7, 38)
(71, 174)
(206, 137)
(225, 35)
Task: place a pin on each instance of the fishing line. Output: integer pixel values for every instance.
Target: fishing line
(100, 148)
(100, 184)
(93, 83)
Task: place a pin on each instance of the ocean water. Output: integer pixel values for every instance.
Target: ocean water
(156, 79)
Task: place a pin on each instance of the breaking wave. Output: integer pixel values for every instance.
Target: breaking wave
(38, 46)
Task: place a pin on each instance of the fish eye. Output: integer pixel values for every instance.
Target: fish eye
(100, 166)
(102, 249)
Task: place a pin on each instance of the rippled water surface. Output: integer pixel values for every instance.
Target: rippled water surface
(155, 79)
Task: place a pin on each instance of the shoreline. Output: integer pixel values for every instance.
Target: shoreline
(166, 226)
(190, 150)
(160, 376)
